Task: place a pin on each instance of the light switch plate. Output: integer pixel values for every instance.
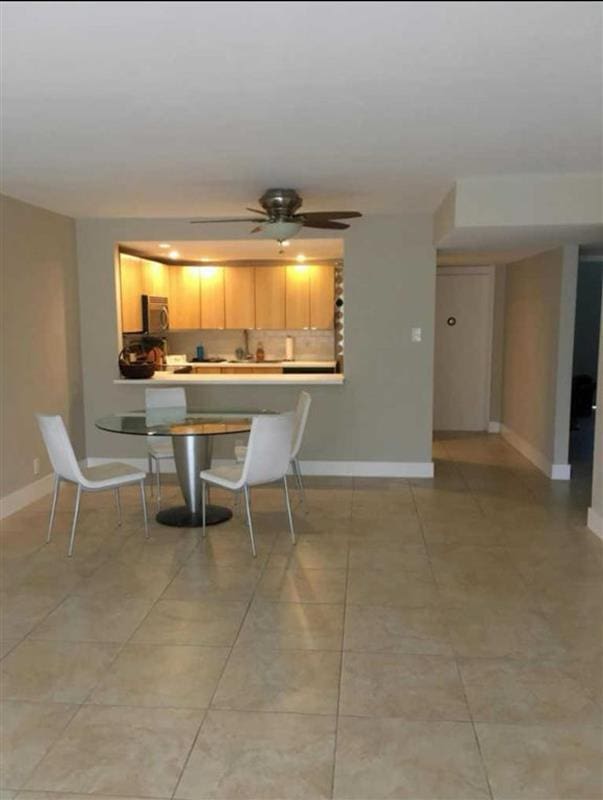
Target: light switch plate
(415, 334)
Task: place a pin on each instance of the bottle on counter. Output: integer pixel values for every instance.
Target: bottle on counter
(260, 355)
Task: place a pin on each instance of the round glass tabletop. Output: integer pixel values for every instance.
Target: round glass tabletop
(178, 422)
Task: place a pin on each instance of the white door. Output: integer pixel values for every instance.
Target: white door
(463, 347)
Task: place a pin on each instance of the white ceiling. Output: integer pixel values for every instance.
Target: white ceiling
(242, 249)
(180, 108)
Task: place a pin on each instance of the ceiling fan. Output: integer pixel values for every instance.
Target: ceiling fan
(279, 217)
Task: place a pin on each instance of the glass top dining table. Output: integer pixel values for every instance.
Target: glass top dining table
(192, 432)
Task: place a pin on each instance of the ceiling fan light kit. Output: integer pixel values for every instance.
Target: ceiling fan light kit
(279, 230)
(280, 219)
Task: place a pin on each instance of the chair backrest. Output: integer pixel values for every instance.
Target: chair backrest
(59, 447)
(170, 397)
(304, 402)
(269, 448)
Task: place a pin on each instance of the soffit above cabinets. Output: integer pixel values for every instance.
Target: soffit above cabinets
(243, 250)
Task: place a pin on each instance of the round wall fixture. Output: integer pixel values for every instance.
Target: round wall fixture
(451, 321)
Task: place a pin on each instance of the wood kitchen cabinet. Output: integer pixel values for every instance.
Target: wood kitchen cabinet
(322, 296)
(270, 298)
(310, 296)
(297, 300)
(155, 278)
(185, 297)
(212, 297)
(131, 287)
(239, 297)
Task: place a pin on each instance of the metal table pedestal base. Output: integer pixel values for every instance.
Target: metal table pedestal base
(192, 454)
(181, 517)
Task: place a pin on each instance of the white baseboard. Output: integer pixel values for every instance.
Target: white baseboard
(358, 469)
(594, 521)
(370, 469)
(20, 498)
(493, 426)
(556, 472)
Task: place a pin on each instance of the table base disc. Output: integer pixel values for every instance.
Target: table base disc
(181, 517)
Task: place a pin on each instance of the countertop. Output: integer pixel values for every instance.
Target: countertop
(255, 364)
(169, 378)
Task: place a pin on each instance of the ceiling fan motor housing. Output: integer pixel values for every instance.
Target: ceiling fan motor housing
(280, 203)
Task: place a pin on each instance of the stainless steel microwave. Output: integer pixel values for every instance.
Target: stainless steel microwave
(155, 314)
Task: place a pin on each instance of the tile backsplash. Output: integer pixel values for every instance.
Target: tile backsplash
(308, 345)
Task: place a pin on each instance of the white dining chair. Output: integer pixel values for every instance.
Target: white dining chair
(302, 411)
(87, 479)
(266, 461)
(160, 447)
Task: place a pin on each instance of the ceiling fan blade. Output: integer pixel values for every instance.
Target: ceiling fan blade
(257, 211)
(226, 219)
(320, 215)
(319, 223)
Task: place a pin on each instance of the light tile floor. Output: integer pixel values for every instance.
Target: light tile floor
(426, 639)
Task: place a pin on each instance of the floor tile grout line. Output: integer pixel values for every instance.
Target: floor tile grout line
(341, 655)
(50, 746)
(222, 672)
(457, 667)
(473, 727)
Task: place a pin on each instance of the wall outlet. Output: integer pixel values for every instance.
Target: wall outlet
(36, 466)
(415, 334)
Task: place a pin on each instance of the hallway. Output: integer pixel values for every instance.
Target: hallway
(425, 639)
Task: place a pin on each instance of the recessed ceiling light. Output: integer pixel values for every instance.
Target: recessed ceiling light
(173, 254)
(165, 245)
(300, 258)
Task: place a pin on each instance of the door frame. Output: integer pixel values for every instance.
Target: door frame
(490, 271)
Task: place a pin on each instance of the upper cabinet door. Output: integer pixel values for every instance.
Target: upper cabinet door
(130, 274)
(322, 296)
(297, 304)
(270, 298)
(185, 298)
(155, 278)
(212, 297)
(239, 297)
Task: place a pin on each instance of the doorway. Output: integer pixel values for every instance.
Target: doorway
(463, 348)
(585, 362)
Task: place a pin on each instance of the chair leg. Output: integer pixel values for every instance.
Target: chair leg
(158, 476)
(118, 507)
(74, 523)
(151, 472)
(144, 510)
(203, 506)
(289, 514)
(300, 483)
(53, 508)
(249, 520)
(238, 505)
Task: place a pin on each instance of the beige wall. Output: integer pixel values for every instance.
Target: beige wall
(41, 368)
(539, 321)
(381, 413)
(498, 343)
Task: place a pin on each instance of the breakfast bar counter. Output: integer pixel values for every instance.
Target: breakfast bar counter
(187, 379)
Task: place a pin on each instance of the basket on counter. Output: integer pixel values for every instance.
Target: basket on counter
(138, 369)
